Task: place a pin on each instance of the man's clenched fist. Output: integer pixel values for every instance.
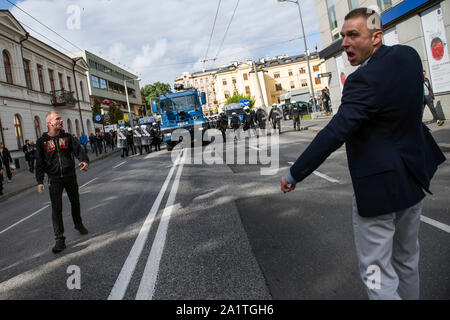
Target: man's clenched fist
(41, 188)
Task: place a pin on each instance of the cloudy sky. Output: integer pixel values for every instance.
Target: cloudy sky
(159, 39)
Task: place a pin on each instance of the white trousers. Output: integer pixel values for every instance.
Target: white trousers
(387, 247)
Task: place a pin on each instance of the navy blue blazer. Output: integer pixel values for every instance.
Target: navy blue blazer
(391, 154)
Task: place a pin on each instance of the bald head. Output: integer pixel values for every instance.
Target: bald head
(54, 123)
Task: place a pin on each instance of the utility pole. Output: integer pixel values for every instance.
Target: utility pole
(259, 85)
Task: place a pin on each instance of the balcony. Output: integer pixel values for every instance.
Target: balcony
(62, 98)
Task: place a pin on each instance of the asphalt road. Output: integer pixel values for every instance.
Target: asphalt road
(159, 230)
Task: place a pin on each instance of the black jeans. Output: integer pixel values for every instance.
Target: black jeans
(56, 190)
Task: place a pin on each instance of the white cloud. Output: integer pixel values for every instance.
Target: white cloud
(161, 39)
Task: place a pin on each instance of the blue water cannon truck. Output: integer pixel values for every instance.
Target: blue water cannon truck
(180, 110)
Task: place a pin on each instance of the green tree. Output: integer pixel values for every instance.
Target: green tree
(115, 114)
(236, 98)
(151, 92)
(96, 108)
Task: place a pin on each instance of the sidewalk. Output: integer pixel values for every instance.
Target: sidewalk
(440, 133)
(24, 179)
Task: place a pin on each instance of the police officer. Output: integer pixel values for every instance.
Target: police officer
(137, 139)
(222, 124)
(156, 136)
(122, 141)
(235, 122)
(275, 116)
(261, 118)
(296, 116)
(130, 141)
(247, 119)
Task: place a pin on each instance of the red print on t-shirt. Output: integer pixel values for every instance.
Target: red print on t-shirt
(49, 145)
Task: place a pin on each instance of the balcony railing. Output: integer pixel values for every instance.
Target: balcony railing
(63, 98)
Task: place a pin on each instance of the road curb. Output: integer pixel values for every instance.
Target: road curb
(6, 196)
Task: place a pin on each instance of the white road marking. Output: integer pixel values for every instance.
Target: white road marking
(121, 285)
(40, 210)
(84, 185)
(25, 219)
(148, 280)
(322, 175)
(436, 224)
(119, 164)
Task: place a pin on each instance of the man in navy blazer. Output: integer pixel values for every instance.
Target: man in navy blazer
(391, 155)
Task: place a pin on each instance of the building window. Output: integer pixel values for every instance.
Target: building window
(292, 85)
(353, 4)
(227, 94)
(26, 65)
(37, 127)
(278, 87)
(304, 83)
(89, 126)
(61, 82)
(317, 80)
(316, 68)
(224, 82)
(290, 73)
(233, 80)
(95, 82)
(332, 19)
(41, 78)
(302, 70)
(245, 76)
(52, 80)
(82, 90)
(276, 75)
(69, 83)
(18, 130)
(103, 84)
(384, 4)
(247, 89)
(69, 126)
(7, 66)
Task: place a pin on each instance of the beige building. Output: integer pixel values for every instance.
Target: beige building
(35, 79)
(276, 76)
(416, 23)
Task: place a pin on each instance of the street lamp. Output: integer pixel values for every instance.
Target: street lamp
(130, 115)
(306, 49)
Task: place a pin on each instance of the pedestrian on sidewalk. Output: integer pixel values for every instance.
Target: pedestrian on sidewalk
(391, 156)
(27, 150)
(428, 100)
(83, 142)
(93, 143)
(99, 140)
(55, 157)
(7, 161)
